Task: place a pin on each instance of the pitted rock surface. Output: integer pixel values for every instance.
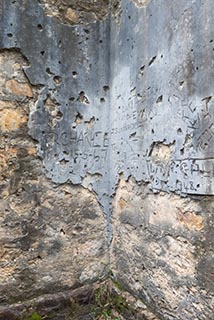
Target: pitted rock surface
(112, 100)
(112, 125)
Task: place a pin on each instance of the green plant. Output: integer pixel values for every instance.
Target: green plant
(34, 316)
(108, 303)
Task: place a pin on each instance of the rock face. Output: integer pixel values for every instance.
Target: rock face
(106, 120)
(52, 236)
(81, 12)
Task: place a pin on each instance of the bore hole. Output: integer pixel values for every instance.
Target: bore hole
(57, 79)
(159, 99)
(74, 74)
(39, 26)
(106, 88)
(10, 35)
(63, 162)
(59, 115)
(48, 70)
(82, 98)
(102, 100)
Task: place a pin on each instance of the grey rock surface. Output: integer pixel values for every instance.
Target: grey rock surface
(127, 96)
(130, 97)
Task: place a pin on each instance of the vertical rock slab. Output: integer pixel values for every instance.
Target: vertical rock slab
(163, 153)
(52, 235)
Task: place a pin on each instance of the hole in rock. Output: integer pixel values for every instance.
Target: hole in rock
(39, 26)
(59, 115)
(152, 61)
(90, 123)
(106, 88)
(57, 79)
(74, 74)
(83, 98)
(63, 162)
(79, 118)
(182, 151)
(142, 70)
(48, 70)
(179, 131)
(159, 99)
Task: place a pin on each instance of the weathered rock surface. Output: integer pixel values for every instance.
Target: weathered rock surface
(108, 129)
(79, 12)
(52, 237)
(162, 250)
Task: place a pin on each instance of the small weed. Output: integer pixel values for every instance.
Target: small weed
(109, 304)
(34, 316)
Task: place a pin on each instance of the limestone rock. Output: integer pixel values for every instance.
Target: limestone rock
(106, 152)
(19, 89)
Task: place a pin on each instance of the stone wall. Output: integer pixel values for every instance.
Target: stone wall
(106, 155)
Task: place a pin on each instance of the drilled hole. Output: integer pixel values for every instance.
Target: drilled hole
(39, 26)
(59, 115)
(74, 74)
(159, 99)
(83, 98)
(179, 131)
(57, 79)
(106, 88)
(48, 70)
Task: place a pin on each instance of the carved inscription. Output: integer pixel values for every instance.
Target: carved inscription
(151, 119)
